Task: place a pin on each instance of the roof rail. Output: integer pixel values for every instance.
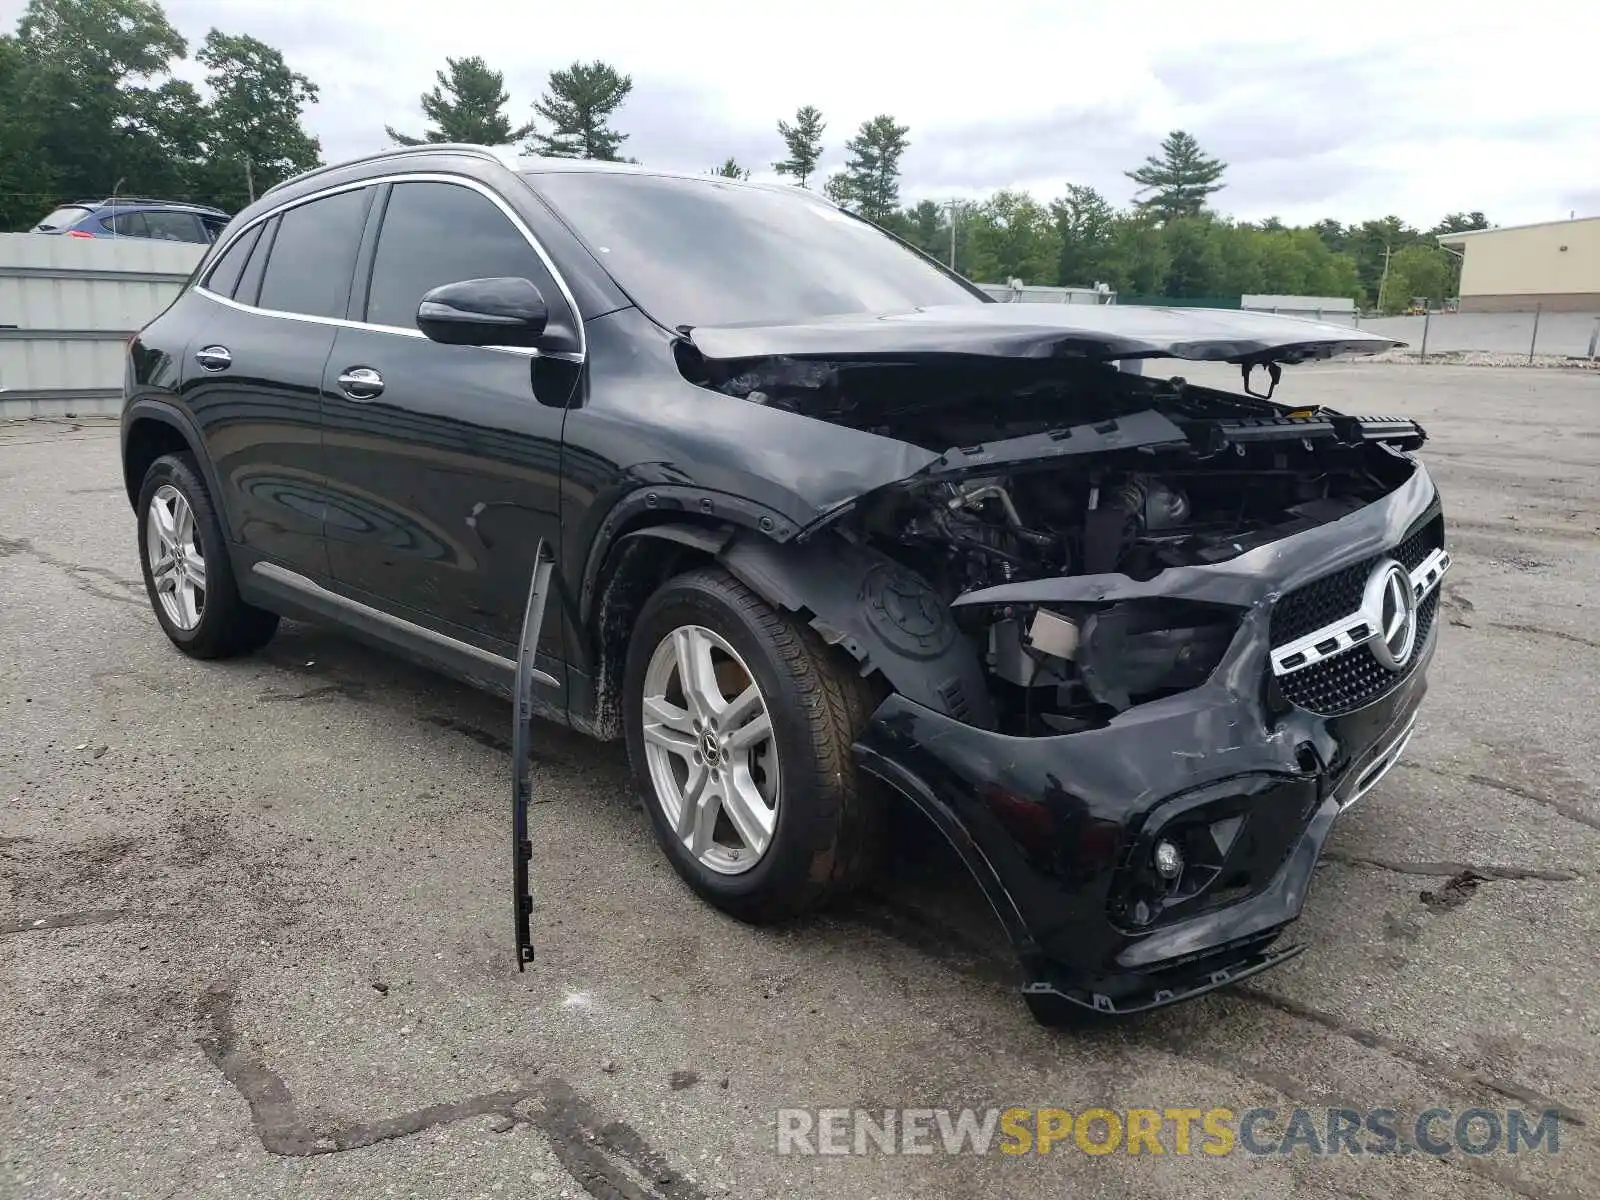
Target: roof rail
(396, 152)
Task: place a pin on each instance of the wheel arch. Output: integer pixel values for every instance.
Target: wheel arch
(151, 429)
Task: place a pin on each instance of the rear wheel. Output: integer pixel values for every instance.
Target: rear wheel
(739, 725)
(187, 572)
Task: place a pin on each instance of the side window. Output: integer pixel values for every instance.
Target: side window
(436, 233)
(250, 281)
(224, 277)
(311, 259)
(129, 225)
(214, 227)
(174, 227)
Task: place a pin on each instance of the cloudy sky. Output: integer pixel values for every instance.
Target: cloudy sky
(1341, 108)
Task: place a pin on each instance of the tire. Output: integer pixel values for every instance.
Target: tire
(827, 821)
(223, 625)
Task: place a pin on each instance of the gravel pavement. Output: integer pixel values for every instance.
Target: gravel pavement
(255, 934)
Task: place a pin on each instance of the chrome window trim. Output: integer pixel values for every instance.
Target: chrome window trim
(482, 189)
(1355, 629)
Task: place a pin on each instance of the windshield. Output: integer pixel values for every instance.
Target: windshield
(62, 217)
(701, 252)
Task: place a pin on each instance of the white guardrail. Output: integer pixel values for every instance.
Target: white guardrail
(67, 309)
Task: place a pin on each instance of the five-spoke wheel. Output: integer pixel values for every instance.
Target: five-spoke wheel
(709, 746)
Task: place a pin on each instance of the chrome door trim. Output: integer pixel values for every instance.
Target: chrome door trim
(331, 599)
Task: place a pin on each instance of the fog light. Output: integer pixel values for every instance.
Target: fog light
(1169, 863)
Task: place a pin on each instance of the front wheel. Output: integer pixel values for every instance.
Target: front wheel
(739, 724)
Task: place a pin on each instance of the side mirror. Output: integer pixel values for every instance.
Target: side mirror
(507, 311)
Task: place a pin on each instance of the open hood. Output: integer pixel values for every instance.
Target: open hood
(1043, 331)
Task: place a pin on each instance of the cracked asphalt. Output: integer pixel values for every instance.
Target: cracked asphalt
(255, 934)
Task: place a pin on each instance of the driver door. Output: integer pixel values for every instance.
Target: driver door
(443, 462)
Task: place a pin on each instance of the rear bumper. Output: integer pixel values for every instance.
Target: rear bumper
(1059, 831)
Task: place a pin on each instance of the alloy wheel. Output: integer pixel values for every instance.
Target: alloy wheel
(710, 750)
(176, 564)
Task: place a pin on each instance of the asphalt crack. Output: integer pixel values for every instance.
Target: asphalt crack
(608, 1159)
(70, 920)
(88, 579)
(1541, 631)
(1567, 809)
(1416, 1057)
(1446, 870)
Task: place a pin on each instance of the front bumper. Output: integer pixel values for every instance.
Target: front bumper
(1057, 830)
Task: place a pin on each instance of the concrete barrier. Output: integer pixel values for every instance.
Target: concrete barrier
(67, 309)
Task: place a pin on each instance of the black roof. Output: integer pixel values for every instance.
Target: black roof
(182, 205)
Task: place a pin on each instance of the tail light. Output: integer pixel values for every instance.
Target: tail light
(79, 233)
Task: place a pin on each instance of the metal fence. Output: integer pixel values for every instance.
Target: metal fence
(1524, 335)
(68, 307)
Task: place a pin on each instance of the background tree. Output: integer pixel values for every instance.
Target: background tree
(1460, 222)
(467, 105)
(804, 140)
(730, 169)
(578, 105)
(81, 72)
(1416, 271)
(870, 181)
(1178, 182)
(1012, 237)
(1085, 224)
(253, 119)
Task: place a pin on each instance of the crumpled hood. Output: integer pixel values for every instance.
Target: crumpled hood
(1096, 332)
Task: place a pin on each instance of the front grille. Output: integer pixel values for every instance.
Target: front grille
(1348, 681)
(1354, 679)
(1323, 601)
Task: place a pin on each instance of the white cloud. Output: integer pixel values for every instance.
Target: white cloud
(1352, 110)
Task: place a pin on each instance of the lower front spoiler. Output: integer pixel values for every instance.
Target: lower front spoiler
(1044, 994)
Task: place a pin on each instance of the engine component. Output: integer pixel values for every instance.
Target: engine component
(1052, 634)
(1154, 504)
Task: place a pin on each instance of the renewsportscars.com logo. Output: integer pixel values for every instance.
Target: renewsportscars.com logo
(1181, 1131)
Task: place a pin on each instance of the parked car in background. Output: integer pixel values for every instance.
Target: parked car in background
(129, 216)
(828, 525)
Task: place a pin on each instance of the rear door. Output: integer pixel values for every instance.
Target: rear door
(253, 374)
(443, 461)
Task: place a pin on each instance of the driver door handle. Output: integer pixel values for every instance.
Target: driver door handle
(361, 383)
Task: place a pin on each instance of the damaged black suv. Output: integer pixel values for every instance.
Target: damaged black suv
(825, 524)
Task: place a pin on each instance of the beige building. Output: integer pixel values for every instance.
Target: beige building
(1554, 266)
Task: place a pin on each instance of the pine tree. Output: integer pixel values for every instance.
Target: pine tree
(1179, 181)
(870, 182)
(730, 169)
(468, 105)
(578, 104)
(804, 140)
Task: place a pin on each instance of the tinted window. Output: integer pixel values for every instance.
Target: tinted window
(62, 217)
(311, 258)
(127, 225)
(699, 252)
(436, 233)
(225, 275)
(214, 227)
(174, 227)
(250, 282)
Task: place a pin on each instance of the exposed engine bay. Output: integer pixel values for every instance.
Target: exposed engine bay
(1073, 468)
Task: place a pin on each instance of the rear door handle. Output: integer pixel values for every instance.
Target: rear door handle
(361, 383)
(213, 358)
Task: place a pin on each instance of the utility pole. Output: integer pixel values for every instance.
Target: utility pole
(249, 179)
(1384, 278)
(954, 206)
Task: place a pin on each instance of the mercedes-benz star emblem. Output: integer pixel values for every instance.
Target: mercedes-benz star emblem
(1393, 602)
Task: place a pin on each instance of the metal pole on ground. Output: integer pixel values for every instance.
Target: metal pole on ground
(1534, 340)
(1594, 337)
(1426, 317)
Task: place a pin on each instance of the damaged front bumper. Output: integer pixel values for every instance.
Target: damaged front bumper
(1242, 778)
